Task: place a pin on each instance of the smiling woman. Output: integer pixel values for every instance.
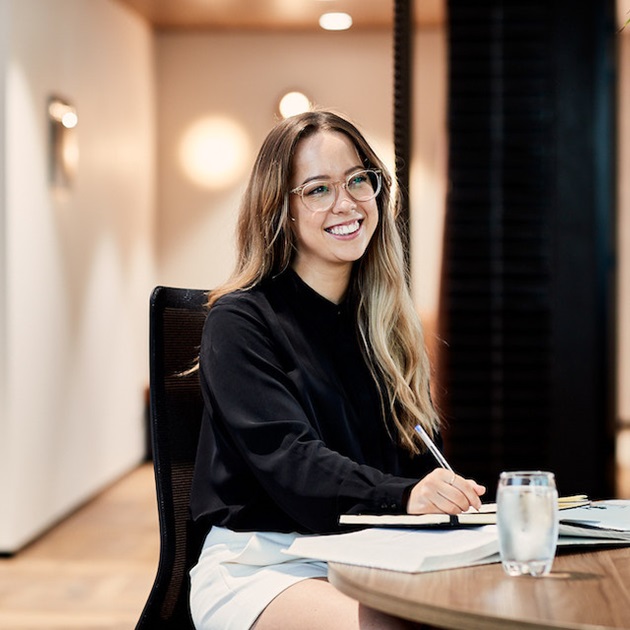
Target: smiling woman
(318, 325)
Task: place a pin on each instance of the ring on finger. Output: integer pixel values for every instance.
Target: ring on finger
(451, 481)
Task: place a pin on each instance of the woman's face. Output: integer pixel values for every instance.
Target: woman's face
(329, 241)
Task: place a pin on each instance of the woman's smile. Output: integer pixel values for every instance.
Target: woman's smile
(346, 230)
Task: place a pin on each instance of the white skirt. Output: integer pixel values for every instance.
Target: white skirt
(239, 573)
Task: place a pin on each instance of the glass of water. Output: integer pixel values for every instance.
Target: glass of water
(527, 521)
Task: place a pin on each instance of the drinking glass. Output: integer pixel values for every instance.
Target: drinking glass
(527, 521)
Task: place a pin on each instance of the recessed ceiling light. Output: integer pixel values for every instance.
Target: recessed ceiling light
(293, 103)
(335, 21)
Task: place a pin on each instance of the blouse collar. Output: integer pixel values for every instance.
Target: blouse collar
(310, 304)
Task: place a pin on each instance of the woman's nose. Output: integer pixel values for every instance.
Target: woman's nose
(344, 202)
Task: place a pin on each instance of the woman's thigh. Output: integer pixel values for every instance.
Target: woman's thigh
(314, 604)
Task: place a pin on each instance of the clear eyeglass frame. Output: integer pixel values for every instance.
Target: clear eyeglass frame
(325, 200)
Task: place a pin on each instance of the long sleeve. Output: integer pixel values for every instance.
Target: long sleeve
(292, 435)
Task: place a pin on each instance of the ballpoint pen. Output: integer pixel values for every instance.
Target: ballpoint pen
(433, 448)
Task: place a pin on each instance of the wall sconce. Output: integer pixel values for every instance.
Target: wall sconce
(214, 152)
(293, 103)
(63, 149)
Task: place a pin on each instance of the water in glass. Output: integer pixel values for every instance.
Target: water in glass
(527, 521)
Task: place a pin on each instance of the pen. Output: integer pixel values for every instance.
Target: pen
(433, 448)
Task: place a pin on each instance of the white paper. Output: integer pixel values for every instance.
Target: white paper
(611, 517)
(410, 551)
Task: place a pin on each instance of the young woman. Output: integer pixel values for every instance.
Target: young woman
(314, 375)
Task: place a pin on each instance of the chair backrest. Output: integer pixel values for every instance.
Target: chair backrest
(176, 321)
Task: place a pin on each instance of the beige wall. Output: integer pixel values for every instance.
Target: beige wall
(623, 169)
(623, 259)
(428, 176)
(4, 53)
(78, 267)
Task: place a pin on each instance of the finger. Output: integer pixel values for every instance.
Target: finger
(450, 505)
(435, 493)
(461, 499)
(459, 491)
(427, 499)
(448, 492)
(470, 495)
(452, 498)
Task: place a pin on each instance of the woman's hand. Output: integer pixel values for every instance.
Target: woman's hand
(442, 491)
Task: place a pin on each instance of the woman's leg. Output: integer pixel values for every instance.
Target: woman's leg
(314, 604)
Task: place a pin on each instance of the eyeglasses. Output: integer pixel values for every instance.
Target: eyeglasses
(321, 195)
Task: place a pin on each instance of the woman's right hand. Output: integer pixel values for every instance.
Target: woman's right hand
(443, 491)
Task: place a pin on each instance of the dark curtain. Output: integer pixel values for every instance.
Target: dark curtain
(527, 306)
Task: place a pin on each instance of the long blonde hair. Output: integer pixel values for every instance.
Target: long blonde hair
(389, 327)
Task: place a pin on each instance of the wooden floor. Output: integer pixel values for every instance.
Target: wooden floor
(93, 571)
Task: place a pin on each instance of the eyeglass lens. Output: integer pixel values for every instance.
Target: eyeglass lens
(361, 186)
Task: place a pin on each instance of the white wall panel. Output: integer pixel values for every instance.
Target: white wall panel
(79, 262)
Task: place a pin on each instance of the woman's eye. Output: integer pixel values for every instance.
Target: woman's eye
(357, 180)
(319, 189)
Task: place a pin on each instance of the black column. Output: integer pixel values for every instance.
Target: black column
(403, 88)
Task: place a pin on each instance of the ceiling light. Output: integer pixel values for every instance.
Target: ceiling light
(293, 103)
(335, 21)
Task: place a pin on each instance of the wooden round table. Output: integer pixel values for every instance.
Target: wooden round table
(585, 591)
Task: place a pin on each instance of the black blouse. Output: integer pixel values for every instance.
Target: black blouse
(292, 434)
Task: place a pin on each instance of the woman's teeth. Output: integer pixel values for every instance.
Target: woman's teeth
(344, 230)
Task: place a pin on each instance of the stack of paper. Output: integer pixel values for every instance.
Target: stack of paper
(399, 547)
(411, 551)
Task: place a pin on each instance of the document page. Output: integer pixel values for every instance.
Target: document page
(605, 519)
(411, 551)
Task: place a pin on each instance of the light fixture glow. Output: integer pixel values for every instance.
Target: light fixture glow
(69, 120)
(63, 113)
(64, 148)
(335, 21)
(214, 152)
(293, 103)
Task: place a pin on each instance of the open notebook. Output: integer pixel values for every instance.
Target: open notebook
(487, 515)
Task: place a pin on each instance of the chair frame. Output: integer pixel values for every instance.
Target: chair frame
(176, 321)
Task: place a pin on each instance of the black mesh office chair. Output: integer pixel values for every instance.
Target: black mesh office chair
(176, 320)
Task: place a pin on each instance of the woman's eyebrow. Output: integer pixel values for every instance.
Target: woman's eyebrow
(354, 169)
(314, 178)
(349, 171)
